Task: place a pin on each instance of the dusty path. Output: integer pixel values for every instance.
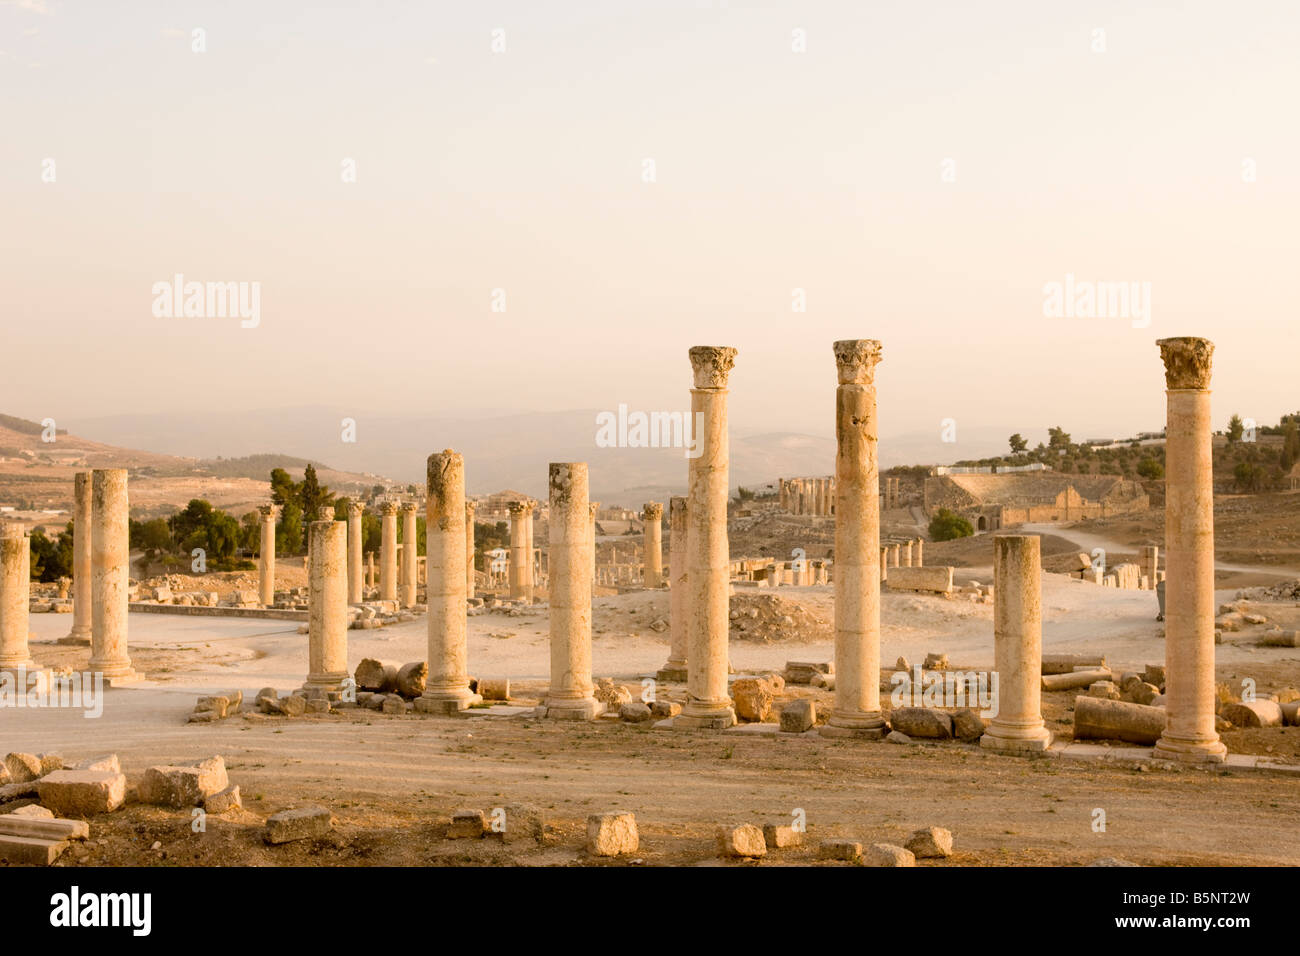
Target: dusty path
(1087, 541)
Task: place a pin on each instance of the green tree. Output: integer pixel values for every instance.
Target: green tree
(1235, 429)
(283, 487)
(945, 526)
(1018, 443)
(1058, 438)
(313, 496)
(1150, 468)
(288, 536)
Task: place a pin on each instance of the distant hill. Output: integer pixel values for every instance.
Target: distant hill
(254, 466)
(23, 427)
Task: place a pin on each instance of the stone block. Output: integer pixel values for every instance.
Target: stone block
(798, 716)
(186, 785)
(930, 843)
(1256, 713)
(224, 800)
(847, 850)
(752, 698)
(22, 767)
(922, 722)
(303, 823)
(935, 579)
(778, 837)
(886, 854)
(82, 793)
(467, 825)
(745, 841)
(612, 834)
(967, 725)
(524, 824)
(635, 712)
(665, 708)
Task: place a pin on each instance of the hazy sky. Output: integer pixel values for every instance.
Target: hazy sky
(523, 170)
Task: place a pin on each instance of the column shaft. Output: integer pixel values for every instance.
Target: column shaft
(327, 609)
(1017, 646)
(110, 575)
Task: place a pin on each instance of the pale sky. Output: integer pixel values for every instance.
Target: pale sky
(522, 170)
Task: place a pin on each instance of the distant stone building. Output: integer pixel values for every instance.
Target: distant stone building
(990, 502)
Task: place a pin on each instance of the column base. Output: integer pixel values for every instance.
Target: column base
(446, 704)
(705, 719)
(584, 708)
(1029, 744)
(672, 673)
(115, 673)
(1196, 750)
(78, 637)
(864, 726)
(329, 686)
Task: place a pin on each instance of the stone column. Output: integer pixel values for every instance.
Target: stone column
(81, 535)
(410, 552)
(783, 497)
(570, 694)
(327, 609)
(370, 570)
(469, 549)
(388, 552)
(266, 556)
(355, 532)
(446, 690)
(654, 552)
(707, 554)
(857, 545)
(893, 555)
(907, 554)
(110, 576)
(1017, 646)
(1189, 556)
(918, 558)
(15, 596)
(1150, 563)
(678, 593)
(520, 554)
(593, 508)
(884, 563)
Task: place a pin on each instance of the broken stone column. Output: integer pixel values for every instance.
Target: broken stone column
(654, 555)
(1149, 562)
(1017, 646)
(446, 689)
(520, 579)
(410, 553)
(15, 596)
(110, 576)
(469, 549)
(81, 534)
(1189, 559)
(570, 695)
(707, 555)
(678, 593)
(355, 593)
(857, 541)
(327, 609)
(388, 552)
(266, 556)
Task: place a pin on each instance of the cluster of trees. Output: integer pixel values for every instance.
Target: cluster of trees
(945, 526)
(51, 558)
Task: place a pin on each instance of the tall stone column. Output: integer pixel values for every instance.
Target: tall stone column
(15, 596)
(782, 497)
(266, 556)
(884, 562)
(595, 552)
(327, 609)
(678, 593)
(1017, 646)
(1189, 556)
(410, 553)
(520, 554)
(110, 576)
(81, 548)
(469, 549)
(654, 551)
(907, 554)
(370, 570)
(893, 555)
(570, 694)
(919, 557)
(531, 552)
(388, 552)
(356, 593)
(857, 545)
(708, 558)
(446, 690)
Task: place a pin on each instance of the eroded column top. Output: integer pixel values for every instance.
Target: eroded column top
(518, 509)
(566, 477)
(356, 509)
(652, 511)
(712, 364)
(12, 529)
(445, 473)
(268, 512)
(388, 509)
(407, 507)
(1188, 361)
(856, 360)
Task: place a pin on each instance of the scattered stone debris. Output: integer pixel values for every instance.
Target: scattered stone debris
(744, 841)
(611, 834)
(303, 823)
(930, 843)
